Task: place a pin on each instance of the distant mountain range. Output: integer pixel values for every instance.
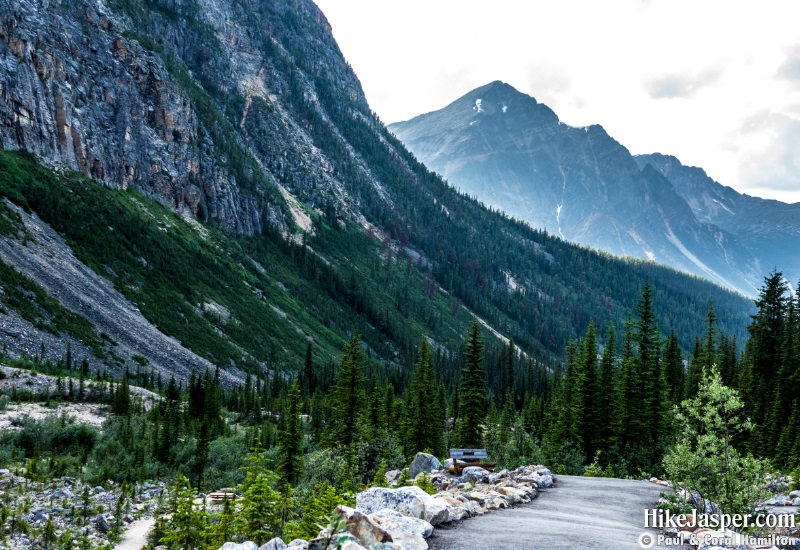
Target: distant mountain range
(514, 154)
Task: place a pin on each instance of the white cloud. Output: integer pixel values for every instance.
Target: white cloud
(680, 85)
(769, 159)
(790, 68)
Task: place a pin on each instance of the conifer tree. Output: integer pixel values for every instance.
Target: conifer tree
(763, 361)
(260, 515)
(425, 430)
(290, 439)
(188, 526)
(309, 379)
(654, 405)
(121, 403)
(710, 349)
(472, 393)
(224, 529)
(562, 424)
(321, 503)
(695, 373)
(347, 399)
(606, 389)
(673, 366)
(628, 426)
(201, 454)
(585, 387)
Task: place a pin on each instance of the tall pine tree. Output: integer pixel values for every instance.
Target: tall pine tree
(347, 399)
(472, 393)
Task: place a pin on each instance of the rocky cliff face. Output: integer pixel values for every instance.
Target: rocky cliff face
(514, 154)
(204, 105)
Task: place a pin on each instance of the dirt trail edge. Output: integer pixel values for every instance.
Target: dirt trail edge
(580, 512)
(135, 536)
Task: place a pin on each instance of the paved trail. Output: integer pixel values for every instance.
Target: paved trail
(135, 536)
(580, 512)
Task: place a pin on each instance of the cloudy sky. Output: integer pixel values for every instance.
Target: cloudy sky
(716, 84)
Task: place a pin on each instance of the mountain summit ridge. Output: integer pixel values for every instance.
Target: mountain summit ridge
(515, 154)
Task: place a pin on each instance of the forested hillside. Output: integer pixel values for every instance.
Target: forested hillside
(256, 128)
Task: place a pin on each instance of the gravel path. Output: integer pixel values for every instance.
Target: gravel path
(580, 512)
(135, 537)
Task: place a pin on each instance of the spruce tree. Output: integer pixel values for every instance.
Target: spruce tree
(309, 379)
(562, 420)
(606, 389)
(654, 406)
(763, 361)
(586, 392)
(347, 399)
(188, 525)
(710, 349)
(201, 454)
(695, 373)
(260, 516)
(628, 426)
(472, 393)
(673, 367)
(425, 430)
(121, 403)
(290, 439)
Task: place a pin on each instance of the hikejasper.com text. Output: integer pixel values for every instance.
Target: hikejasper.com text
(664, 518)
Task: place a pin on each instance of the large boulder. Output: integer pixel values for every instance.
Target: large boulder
(423, 462)
(102, 524)
(275, 544)
(513, 495)
(248, 545)
(362, 527)
(543, 481)
(392, 521)
(455, 507)
(407, 532)
(409, 501)
(393, 475)
(475, 472)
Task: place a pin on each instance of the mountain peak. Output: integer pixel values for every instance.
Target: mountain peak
(514, 154)
(494, 104)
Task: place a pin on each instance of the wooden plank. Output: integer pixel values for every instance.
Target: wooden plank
(467, 453)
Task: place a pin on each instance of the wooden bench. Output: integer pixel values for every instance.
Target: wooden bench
(469, 457)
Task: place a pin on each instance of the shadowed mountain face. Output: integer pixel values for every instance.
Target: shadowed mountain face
(514, 154)
(770, 228)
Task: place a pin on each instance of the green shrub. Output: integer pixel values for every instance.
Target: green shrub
(705, 459)
(674, 503)
(424, 483)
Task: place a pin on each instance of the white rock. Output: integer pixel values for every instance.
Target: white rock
(409, 501)
(275, 544)
(365, 529)
(423, 462)
(248, 545)
(392, 520)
